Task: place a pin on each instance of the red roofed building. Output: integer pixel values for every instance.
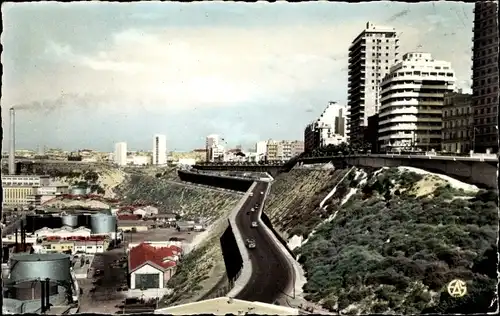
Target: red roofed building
(151, 267)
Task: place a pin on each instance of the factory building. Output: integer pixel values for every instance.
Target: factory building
(151, 267)
(14, 196)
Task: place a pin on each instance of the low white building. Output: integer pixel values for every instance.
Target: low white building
(139, 160)
(63, 232)
(151, 267)
(147, 211)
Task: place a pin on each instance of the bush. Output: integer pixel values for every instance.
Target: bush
(397, 246)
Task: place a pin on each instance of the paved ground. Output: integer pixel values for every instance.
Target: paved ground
(106, 297)
(270, 271)
(159, 234)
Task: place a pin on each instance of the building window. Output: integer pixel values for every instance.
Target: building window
(147, 281)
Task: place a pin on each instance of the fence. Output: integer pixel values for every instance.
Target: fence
(225, 288)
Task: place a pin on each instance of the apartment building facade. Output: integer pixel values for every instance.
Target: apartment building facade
(329, 129)
(159, 149)
(371, 54)
(282, 150)
(120, 156)
(457, 133)
(412, 99)
(485, 76)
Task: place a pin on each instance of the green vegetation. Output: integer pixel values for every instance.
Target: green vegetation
(394, 245)
(187, 200)
(195, 267)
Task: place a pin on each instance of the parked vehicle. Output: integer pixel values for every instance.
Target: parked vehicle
(251, 194)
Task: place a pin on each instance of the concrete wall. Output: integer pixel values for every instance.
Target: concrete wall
(481, 173)
(236, 184)
(475, 172)
(231, 253)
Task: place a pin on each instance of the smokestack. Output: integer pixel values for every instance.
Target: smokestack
(42, 295)
(12, 143)
(47, 293)
(16, 240)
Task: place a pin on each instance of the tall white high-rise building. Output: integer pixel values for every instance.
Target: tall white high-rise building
(120, 157)
(370, 55)
(159, 149)
(412, 101)
(261, 150)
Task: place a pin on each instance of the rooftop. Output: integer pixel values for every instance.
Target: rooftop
(145, 253)
(226, 305)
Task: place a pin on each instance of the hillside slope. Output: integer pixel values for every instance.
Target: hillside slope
(388, 240)
(186, 200)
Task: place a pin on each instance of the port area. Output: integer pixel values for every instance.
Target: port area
(105, 290)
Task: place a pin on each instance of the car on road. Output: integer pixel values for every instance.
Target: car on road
(254, 224)
(251, 243)
(261, 192)
(252, 209)
(251, 194)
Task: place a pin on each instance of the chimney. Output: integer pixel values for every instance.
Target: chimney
(12, 143)
(16, 240)
(47, 293)
(42, 295)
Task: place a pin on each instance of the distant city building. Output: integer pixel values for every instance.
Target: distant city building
(329, 129)
(261, 150)
(485, 76)
(282, 150)
(215, 150)
(370, 55)
(159, 149)
(139, 160)
(120, 157)
(412, 101)
(457, 134)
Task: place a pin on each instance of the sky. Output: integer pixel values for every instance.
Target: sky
(90, 74)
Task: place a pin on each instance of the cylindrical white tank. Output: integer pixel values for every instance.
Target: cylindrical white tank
(70, 220)
(102, 223)
(54, 266)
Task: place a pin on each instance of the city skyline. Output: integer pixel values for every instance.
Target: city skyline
(279, 75)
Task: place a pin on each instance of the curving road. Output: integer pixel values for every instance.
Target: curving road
(271, 272)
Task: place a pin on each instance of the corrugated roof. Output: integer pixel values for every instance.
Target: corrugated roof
(144, 253)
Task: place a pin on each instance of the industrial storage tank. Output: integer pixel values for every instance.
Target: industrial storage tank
(30, 290)
(54, 266)
(102, 224)
(70, 220)
(78, 191)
